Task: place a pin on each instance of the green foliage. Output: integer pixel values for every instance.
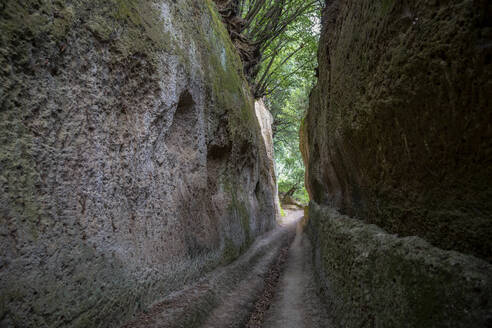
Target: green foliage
(290, 60)
(282, 212)
(285, 79)
(284, 37)
(281, 34)
(288, 109)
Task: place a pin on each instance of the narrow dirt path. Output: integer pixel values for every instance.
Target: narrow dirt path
(296, 304)
(271, 285)
(225, 297)
(237, 305)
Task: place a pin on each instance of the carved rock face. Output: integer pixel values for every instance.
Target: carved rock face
(398, 127)
(130, 157)
(398, 136)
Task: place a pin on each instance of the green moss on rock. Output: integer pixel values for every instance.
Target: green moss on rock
(362, 269)
(64, 66)
(398, 124)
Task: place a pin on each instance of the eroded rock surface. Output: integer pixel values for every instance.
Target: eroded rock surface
(131, 157)
(398, 132)
(373, 279)
(265, 119)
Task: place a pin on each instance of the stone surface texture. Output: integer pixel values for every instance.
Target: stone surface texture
(398, 135)
(398, 132)
(265, 118)
(131, 159)
(373, 279)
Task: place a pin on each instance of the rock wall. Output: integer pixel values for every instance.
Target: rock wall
(374, 279)
(266, 120)
(131, 158)
(399, 127)
(398, 135)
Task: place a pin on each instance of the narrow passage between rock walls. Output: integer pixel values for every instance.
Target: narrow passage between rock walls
(296, 303)
(271, 285)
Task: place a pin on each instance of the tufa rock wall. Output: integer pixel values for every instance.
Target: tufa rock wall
(398, 134)
(131, 157)
(374, 279)
(265, 119)
(398, 131)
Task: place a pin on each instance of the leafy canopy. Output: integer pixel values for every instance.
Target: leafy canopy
(281, 32)
(286, 77)
(277, 40)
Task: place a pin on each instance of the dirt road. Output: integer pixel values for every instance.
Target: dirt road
(271, 285)
(296, 304)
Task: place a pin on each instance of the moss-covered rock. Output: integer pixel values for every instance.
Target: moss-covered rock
(127, 135)
(398, 135)
(399, 124)
(374, 279)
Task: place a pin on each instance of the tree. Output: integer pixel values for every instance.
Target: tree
(277, 41)
(289, 111)
(267, 35)
(286, 82)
